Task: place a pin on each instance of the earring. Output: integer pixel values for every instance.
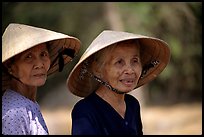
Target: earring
(100, 76)
(10, 71)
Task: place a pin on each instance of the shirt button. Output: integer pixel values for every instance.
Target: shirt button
(126, 123)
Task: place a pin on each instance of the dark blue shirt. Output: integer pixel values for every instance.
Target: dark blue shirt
(94, 116)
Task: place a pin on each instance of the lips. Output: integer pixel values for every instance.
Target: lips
(128, 81)
(39, 75)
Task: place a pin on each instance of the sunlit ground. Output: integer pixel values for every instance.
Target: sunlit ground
(180, 119)
(175, 120)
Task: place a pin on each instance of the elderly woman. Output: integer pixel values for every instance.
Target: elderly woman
(113, 65)
(30, 54)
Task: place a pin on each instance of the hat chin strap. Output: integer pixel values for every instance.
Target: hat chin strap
(69, 52)
(107, 85)
(85, 71)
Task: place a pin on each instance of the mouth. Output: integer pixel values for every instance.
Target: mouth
(128, 81)
(39, 75)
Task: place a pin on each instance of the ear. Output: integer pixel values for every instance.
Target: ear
(7, 64)
(11, 67)
(96, 69)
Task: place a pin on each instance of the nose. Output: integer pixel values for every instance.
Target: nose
(38, 63)
(129, 69)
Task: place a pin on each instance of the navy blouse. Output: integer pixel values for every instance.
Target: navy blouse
(94, 116)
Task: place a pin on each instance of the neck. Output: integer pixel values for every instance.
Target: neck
(25, 90)
(117, 101)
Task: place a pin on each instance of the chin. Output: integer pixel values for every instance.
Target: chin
(41, 83)
(127, 90)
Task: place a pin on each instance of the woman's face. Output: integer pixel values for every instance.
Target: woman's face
(31, 66)
(122, 68)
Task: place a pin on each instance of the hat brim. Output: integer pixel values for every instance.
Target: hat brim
(153, 49)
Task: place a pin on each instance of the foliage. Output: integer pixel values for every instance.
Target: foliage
(178, 23)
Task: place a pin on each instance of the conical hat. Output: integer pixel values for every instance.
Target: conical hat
(20, 37)
(154, 50)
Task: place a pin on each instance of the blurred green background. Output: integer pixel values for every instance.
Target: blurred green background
(177, 23)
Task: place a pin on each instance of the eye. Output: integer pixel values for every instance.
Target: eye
(119, 61)
(28, 56)
(44, 54)
(135, 60)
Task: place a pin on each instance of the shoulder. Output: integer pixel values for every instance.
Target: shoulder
(14, 103)
(131, 100)
(84, 106)
(86, 102)
(14, 120)
(14, 109)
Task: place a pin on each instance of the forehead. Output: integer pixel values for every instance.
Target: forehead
(122, 49)
(37, 48)
(132, 47)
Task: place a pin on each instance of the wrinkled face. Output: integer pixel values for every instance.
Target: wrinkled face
(122, 68)
(31, 66)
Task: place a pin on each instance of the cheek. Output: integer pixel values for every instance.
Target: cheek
(22, 73)
(111, 74)
(138, 71)
(47, 64)
(16, 71)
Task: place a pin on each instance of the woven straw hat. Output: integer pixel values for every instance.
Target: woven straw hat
(20, 37)
(154, 57)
